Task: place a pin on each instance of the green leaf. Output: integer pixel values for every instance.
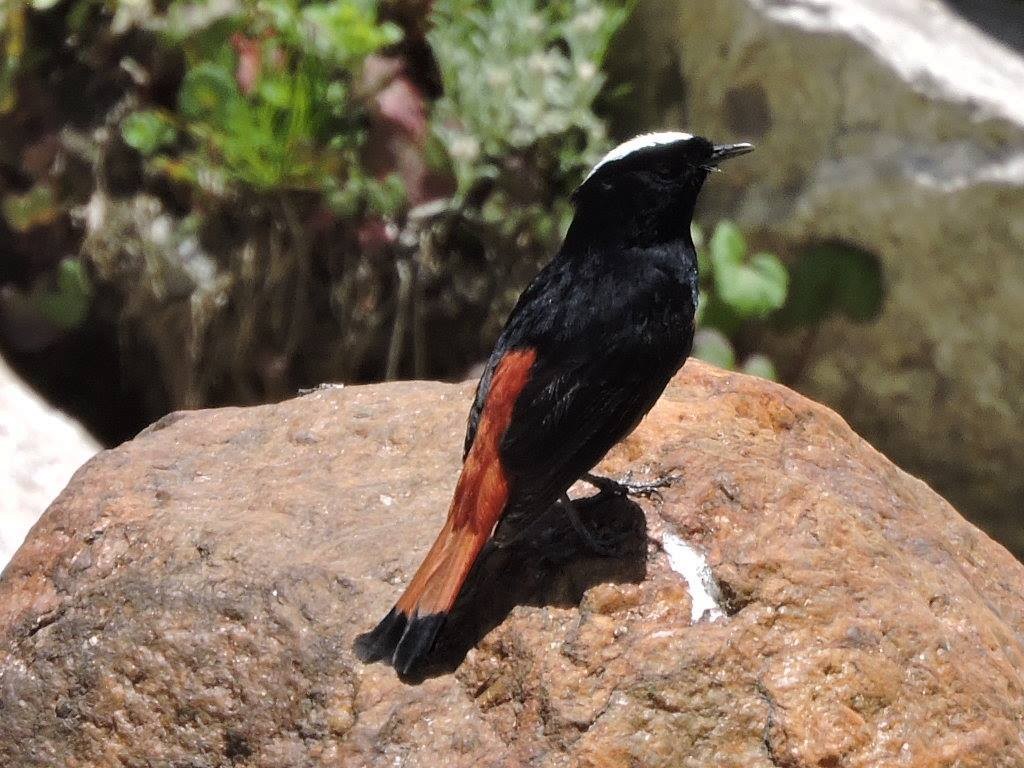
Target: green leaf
(728, 247)
(345, 31)
(715, 313)
(757, 289)
(33, 208)
(760, 365)
(751, 288)
(833, 278)
(703, 262)
(148, 131)
(208, 92)
(713, 347)
(387, 196)
(67, 304)
(276, 91)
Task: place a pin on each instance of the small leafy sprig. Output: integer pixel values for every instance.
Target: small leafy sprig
(736, 287)
(741, 291)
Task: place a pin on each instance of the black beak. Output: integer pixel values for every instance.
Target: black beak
(725, 151)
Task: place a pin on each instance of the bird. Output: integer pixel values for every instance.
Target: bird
(587, 350)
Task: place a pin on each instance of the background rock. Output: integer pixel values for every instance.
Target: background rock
(897, 127)
(191, 599)
(39, 450)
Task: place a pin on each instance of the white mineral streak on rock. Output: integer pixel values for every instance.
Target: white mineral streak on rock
(692, 565)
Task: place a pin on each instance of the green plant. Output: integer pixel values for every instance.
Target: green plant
(520, 80)
(62, 297)
(266, 103)
(12, 38)
(265, 246)
(740, 291)
(149, 131)
(520, 74)
(65, 303)
(276, 110)
(736, 288)
(36, 207)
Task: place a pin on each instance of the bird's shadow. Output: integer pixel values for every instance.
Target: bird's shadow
(552, 567)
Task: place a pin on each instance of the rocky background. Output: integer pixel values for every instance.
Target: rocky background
(169, 240)
(897, 127)
(192, 598)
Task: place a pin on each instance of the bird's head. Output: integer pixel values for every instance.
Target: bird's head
(646, 188)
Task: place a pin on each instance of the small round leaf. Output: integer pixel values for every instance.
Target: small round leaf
(713, 347)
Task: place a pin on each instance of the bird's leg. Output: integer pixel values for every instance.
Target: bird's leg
(626, 486)
(606, 547)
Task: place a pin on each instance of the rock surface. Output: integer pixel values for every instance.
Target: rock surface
(192, 597)
(40, 448)
(897, 127)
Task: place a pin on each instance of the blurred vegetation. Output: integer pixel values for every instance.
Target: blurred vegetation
(239, 199)
(742, 290)
(736, 288)
(517, 110)
(259, 196)
(266, 104)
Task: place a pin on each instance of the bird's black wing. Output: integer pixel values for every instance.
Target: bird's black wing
(593, 379)
(540, 299)
(570, 413)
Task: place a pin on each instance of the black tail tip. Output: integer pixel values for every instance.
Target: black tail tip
(379, 643)
(404, 643)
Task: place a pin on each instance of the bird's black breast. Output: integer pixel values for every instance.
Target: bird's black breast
(609, 331)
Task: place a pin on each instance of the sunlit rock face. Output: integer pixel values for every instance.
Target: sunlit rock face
(792, 598)
(897, 127)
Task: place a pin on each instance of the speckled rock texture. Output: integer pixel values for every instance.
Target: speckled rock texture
(192, 597)
(894, 126)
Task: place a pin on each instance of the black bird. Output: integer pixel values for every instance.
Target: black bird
(588, 349)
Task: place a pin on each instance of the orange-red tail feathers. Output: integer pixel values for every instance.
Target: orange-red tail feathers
(407, 634)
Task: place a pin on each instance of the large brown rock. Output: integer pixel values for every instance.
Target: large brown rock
(192, 597)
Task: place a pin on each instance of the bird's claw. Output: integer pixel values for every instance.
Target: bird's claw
(604, 546)
(627, 487)
(303, 391)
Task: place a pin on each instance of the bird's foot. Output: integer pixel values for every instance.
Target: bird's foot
(627, 487)
(604, 546)
(303, 391)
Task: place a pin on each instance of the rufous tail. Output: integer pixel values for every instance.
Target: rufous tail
(407, 634)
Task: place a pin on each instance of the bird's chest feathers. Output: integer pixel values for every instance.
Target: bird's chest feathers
(633, 304)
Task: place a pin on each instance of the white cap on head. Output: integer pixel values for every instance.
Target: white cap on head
(643, 141)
